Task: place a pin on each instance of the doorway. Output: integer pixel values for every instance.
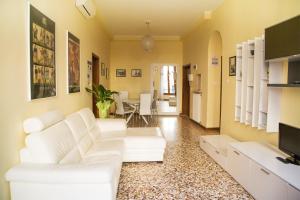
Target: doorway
(95, 80)
(186, 90)
(164, 86)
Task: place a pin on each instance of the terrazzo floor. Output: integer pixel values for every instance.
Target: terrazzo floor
(186, 173)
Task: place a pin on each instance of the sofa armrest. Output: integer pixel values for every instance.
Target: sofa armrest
(62, 173)
(109, 125)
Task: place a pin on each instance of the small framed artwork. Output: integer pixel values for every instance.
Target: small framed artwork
(120, 72)
(232, 66)
(106, 73)
(73, 58)
(89, 73)
(136, 73)
(102, 69)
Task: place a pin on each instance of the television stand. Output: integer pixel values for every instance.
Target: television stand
(289, 160)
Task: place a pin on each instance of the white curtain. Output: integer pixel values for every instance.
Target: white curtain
(163, 80)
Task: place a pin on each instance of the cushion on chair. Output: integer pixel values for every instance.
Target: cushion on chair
(39, 123)
(53, 145)
(80, 132)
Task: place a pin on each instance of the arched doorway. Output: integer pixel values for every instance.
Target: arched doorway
(214, 89)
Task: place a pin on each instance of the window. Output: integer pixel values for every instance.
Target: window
(168, 78)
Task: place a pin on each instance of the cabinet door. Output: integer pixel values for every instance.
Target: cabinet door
(207, 147)
(196, 107)
(293, 193)
(266, 186)
(238, 166)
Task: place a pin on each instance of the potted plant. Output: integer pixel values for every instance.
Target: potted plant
(103, 98)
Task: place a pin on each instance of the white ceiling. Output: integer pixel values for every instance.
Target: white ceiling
(168, 17)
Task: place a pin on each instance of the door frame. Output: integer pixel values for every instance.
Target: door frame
(189, 87)
(95, 64)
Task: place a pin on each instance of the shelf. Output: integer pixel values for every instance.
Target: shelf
(265, 112)
(283, 85)
(250, 86)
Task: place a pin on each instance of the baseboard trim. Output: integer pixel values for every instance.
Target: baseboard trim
(206, 128)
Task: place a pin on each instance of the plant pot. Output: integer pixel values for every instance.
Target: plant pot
(103, 108)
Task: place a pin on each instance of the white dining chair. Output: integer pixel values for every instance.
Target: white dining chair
(123, 95)
(123, 110)
(145, 106)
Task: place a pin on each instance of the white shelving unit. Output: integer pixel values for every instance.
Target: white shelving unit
(250, 82)
(238, 84)
(256, 104)
(244, 81)
(275, 77)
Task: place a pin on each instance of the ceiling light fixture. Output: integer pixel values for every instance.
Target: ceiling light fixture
(147, 40)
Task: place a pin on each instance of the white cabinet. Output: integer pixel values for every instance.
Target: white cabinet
(196, 114)
(264, 185)
(216, 146)
(255, 167)
(293, 193)
(239, 167)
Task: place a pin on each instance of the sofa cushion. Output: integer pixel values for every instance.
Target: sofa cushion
(80, 132)
(115, 147)
(39, 123)
(52, 145)
(88, 117)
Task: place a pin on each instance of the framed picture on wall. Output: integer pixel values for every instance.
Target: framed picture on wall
(102, 69)
(42, 55)
(73, 58)
(106, 73)
(136, 73)
(232, 66)
(120, 72)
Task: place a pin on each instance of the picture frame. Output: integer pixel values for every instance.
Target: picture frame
(89, 73)
(73, 63)
(136, 73)
(106, 73)
(102, 69)
(120, 72)
(232, 66)
(42, 69)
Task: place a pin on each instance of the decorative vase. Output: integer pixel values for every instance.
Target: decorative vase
(103, 108)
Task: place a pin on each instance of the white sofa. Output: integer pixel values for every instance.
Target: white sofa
(79, 157)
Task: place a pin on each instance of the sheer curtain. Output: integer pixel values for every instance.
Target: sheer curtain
(164, 80)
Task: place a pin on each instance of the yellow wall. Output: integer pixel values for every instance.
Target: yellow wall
(214, 81)
(238, 21)
(129, 54)
(14, 106)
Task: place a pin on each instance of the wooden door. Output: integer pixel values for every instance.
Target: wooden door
(96, 80)
(186, 91)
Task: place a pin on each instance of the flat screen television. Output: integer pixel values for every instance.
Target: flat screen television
(289, 142)
(283, 39)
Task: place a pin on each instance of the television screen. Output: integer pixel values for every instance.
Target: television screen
(289, 139)
(283, 39)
